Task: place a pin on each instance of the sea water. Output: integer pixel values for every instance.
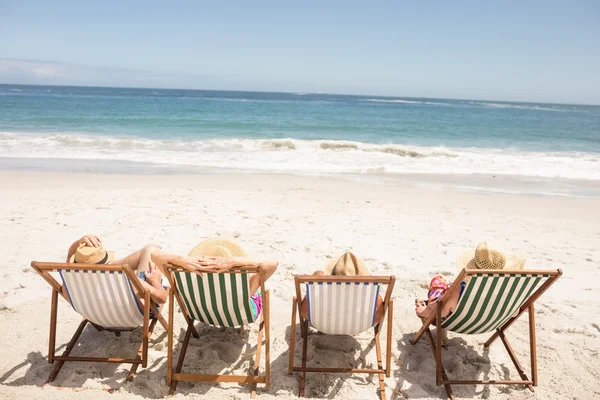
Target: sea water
(303, 133)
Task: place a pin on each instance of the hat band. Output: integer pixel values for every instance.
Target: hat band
(103, 261)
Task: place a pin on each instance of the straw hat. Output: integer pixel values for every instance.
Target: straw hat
(91, 255)
(488, 256)
(218, 247)
(346, 265)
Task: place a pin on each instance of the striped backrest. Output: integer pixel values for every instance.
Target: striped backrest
(216, 299)
(105, 298)
(342, 308)
(489, 300)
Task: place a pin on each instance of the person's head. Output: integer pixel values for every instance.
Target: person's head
(218, 247)
(91, 255)
(346, 265)
(489, 256)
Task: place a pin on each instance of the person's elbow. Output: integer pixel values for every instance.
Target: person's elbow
(160, 297)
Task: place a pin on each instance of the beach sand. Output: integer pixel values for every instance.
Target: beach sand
(411, 232)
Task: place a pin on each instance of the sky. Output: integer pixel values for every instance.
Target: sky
(545, 51)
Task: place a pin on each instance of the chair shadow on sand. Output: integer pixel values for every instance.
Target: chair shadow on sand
(415, 371)
(326, 351)
(74, 374)
(217, 350)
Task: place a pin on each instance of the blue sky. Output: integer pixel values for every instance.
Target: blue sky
(502, 50)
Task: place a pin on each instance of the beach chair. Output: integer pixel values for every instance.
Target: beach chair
(220, 300)
(342, 305)
(109, 297)
(492, 301)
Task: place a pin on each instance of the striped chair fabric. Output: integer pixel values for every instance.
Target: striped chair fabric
(105, 298)
(489, 300)
(216, 299)
(342, 308)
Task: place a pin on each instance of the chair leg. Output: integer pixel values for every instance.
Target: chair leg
(267, 312)
(292, 337)
(444, 376)
(438, 344)
(134, 367)
(514, 359)
(532, 345)
(170, 336)
(257, 356)
(186, 340)
(304, 348)
(379, 362)
(53, 316)
(145, 329)
(68, 350)
(388, 353)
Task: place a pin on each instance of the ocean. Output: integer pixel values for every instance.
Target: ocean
(305, 133)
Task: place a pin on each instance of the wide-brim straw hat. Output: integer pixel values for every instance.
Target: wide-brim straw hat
(92, 255)
(218, 247)
(489, 256)
(346, 265)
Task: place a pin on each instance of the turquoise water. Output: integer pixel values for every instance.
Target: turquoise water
(297, 132)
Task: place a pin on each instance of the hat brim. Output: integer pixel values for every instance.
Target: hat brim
(110, 257)
(466, 260)
(204, 248)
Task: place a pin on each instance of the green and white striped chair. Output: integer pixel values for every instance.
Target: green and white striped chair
(109, 297)
(342, 305)
(222, 300)
(492, 300)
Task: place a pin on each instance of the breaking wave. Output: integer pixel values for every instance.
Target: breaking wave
(296, 155)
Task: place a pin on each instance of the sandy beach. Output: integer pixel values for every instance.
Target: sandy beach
(406, 230)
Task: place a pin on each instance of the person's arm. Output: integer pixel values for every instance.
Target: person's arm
(89, 240)
(226, 263)
(154, 285)
(161, 258)
(449, 304)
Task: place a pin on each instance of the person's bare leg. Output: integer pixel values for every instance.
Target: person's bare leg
(146, 257)
(140, 260)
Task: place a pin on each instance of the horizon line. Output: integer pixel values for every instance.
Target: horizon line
(302, 92)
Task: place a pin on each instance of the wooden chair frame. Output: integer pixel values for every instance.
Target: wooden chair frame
(436, 345)
(142, 296)
(388, 306)
(175, 375)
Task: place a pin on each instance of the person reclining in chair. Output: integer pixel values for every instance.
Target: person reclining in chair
(486, 256)
(221, 254)
(346, 265)
(89, 250)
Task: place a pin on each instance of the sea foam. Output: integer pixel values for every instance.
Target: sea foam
(296, 155)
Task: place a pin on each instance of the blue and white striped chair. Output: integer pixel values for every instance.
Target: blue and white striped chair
(342, 305)
(491, 301)
(109, 297)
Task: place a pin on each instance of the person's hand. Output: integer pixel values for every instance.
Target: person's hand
(217, 264)
(189, 263)
(91, 240)
(153, 275)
